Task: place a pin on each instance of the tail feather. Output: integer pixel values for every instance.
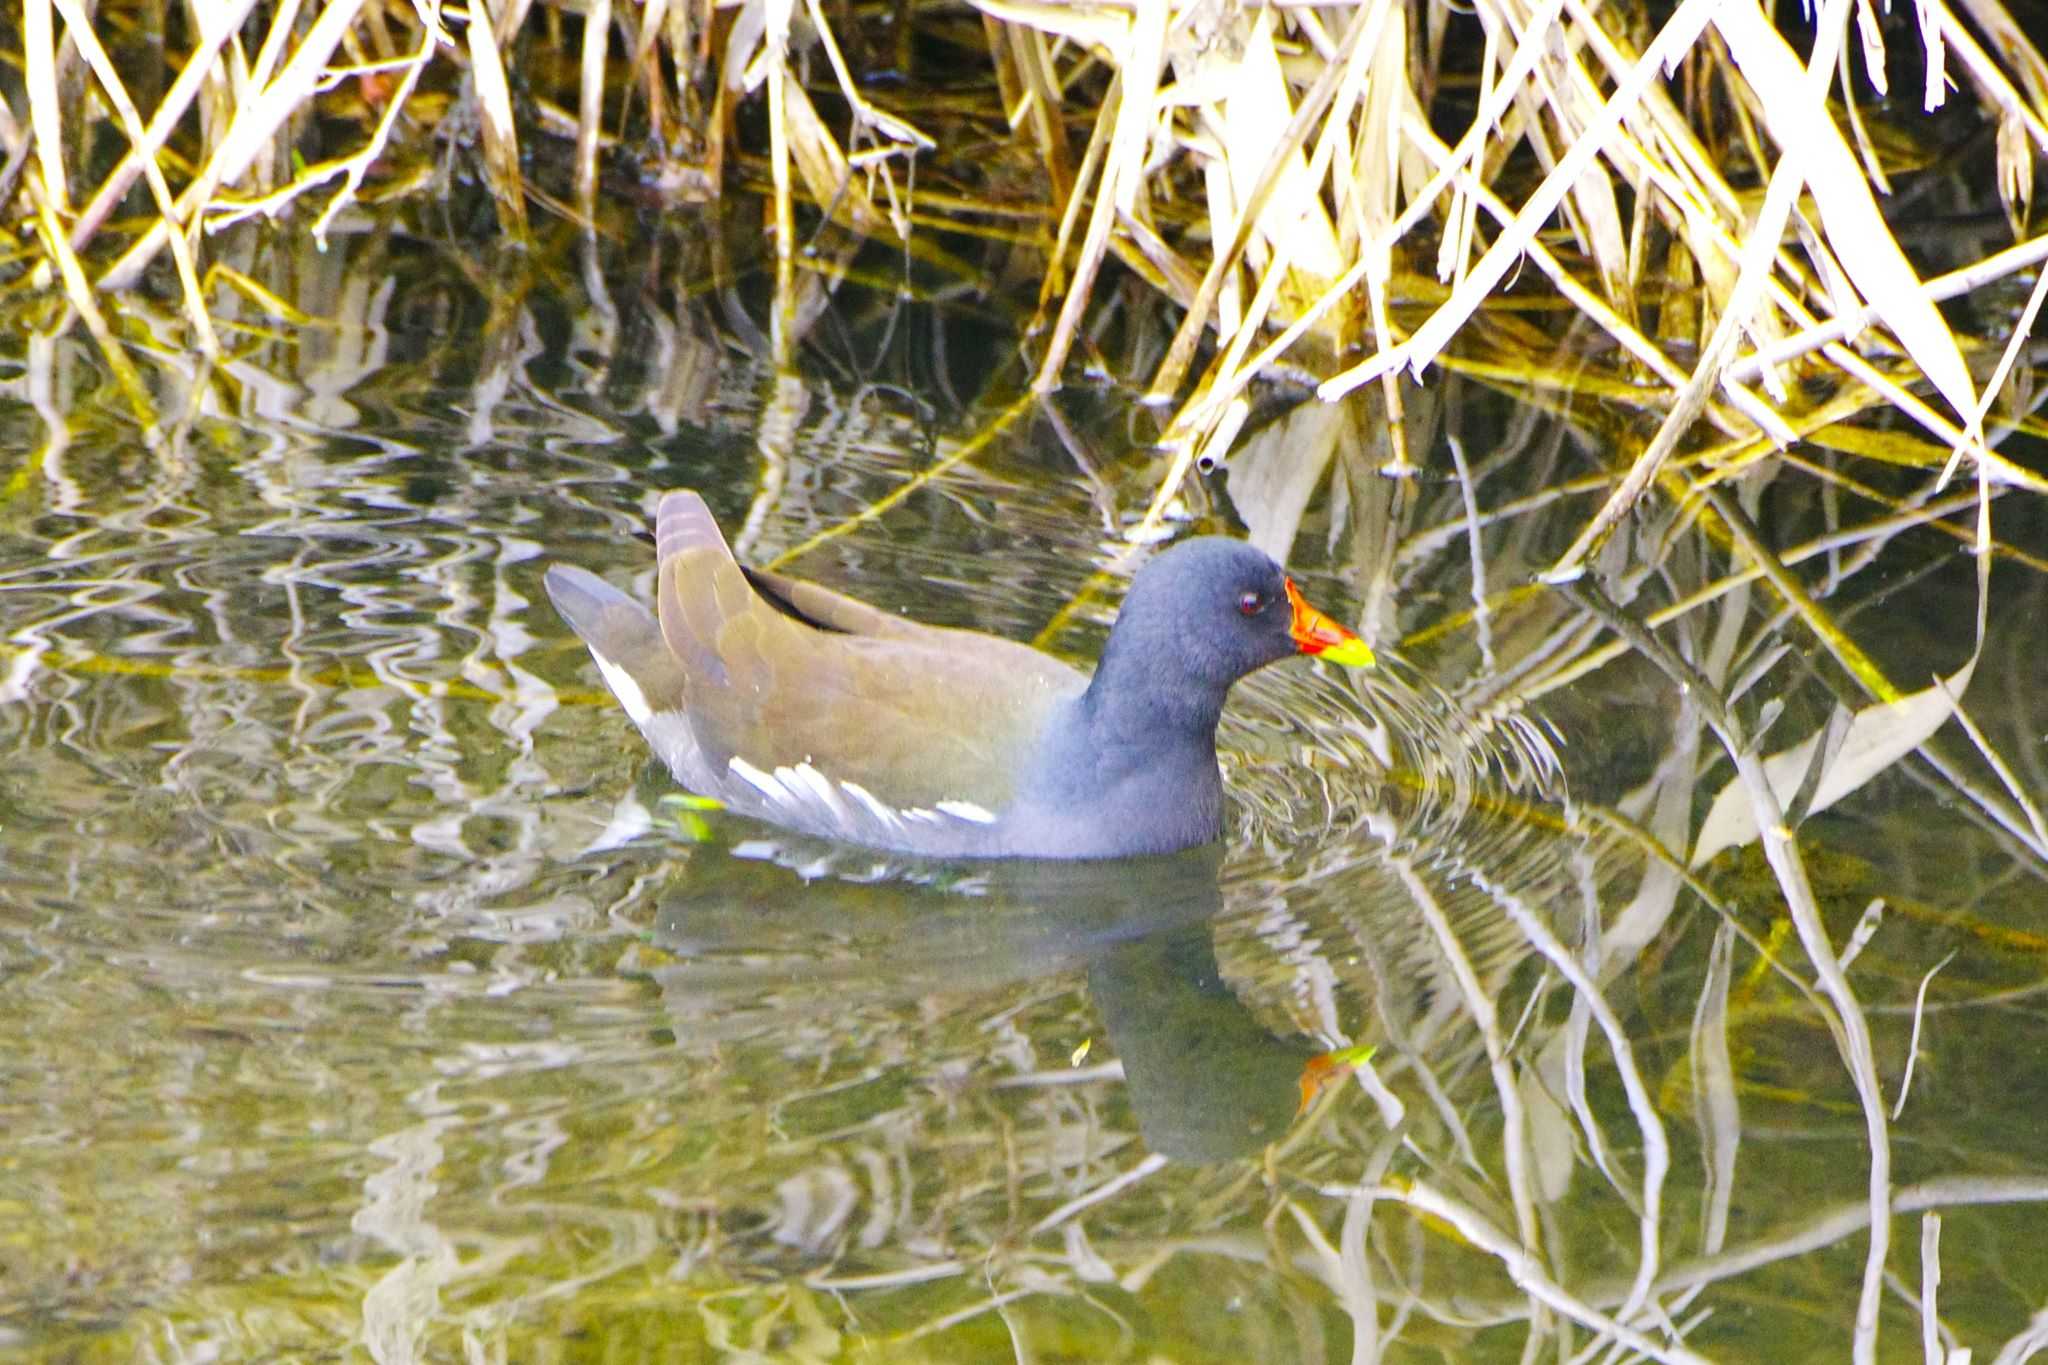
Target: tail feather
(582, 596)
(589, 604)
(683, 523)
(623, 637)
(699, 587)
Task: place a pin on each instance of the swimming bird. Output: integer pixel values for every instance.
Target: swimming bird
(805, 708)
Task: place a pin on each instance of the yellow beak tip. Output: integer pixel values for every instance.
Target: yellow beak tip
(1350, 653)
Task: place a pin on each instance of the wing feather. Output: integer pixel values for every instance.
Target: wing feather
(914, 716)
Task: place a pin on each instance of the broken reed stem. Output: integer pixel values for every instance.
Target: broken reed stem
(782, 328)
(1143, 55)
(500, 129)
(116, 92)
(256, 121)
(217, 24)
(45, 108)
(1180, 353)
(79, 292)
(597, 26)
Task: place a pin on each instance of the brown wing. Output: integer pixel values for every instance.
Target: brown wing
(915, 715)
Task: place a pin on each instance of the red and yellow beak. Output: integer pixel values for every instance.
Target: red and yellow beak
(1315, 633)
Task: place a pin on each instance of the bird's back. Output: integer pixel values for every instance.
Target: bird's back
(802, 706)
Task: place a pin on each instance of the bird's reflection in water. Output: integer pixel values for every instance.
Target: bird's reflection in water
(791, 934)
(1206, 1079)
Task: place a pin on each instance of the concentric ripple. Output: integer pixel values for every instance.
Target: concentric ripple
(1315, 757)
(1376, 821)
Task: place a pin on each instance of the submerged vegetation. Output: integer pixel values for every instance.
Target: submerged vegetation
(1776, 277)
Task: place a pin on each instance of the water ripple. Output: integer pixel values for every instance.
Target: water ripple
(1392, 756)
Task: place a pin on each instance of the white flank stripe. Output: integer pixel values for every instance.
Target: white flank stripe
(624, 688)
(810, 779)
(967, 810)
(755, 778)
(876, 807)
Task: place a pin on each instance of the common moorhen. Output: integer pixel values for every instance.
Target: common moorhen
(802, 707)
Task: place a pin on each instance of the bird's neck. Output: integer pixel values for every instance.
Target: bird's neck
(1136, 755)
(1137, 698)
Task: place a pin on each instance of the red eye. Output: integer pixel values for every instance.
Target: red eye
(1251, 604)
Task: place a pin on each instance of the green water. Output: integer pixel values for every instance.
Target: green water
(362, 999)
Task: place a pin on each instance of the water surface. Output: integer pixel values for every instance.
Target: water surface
(366, 995)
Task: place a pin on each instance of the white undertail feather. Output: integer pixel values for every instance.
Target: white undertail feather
(624, 688)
